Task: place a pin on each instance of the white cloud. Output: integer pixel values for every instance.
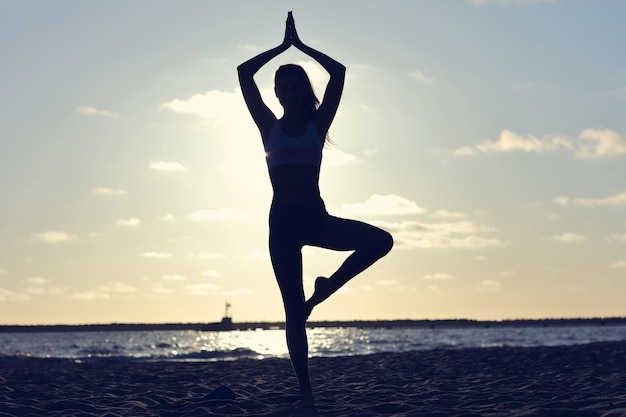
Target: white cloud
(173, 277)
(201, 289)
(509, 141)
(90, 296)
(37, 280)
(615, 200)
(419, 76)
(445, 214)
(598, 144)
(239, 291)
(222, 214)
(117, 287)
(366, 108)
(168, 218)
(561, 201)
(591, 144)
(258, 255)
(459, 235)
(92, 111)
(381, 205)
(208, 256)
(157, 255)
(334, 158)
(55, 237)
(570, 238)
(3, 271)
(162, 290)
(167, 166)
(108, 191)
(488, 285)
(619, 238)
(8, 295)
(438, 276)
(388, 282)
(212, 105)
(618, 264)
(210, 273)
(130, 222)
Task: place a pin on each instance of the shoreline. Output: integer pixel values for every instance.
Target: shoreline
(583, 380)
(221, 326)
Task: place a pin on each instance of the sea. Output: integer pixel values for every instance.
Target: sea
(198, 345)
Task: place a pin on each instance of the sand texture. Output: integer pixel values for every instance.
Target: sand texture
(577, 381)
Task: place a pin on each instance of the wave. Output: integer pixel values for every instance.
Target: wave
(108, 355)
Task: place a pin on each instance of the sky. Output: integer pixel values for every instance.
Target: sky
(487, 136)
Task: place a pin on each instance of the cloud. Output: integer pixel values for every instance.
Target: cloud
(615, 200)
(108, 191)
(438, 276)
(3, 271)
(173, 277)
(201, 289)
(446, 235)
(488, 285)
(337, 158)
(210, 273)
(419, 76)
(130, 222)
(211, 105)
(90, 296)
(168, 218)
(92, 111)
(618, 264)
(590, 144)
(509, 142)
(222, 214)
(239, 291)
(445, 214)
(167, 166)
(570, 238)
(388, 282)
(208, 256)
(615, 236)
(599, 144)
(258, 255)
(157, 255)
(37, 280)
(117, 287)
(54, 237)
(381, 205)
(8, 295)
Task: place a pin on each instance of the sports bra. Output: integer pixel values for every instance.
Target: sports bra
(281, 148)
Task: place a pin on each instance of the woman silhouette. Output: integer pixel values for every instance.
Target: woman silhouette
(298, 217)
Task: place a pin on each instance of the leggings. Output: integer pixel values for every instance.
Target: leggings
(293, 226)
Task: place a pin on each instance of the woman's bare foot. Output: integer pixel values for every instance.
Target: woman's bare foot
(323, 289)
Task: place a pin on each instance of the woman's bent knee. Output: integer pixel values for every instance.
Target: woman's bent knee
(385, 243)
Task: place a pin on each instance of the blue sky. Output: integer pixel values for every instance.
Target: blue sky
(487, 136)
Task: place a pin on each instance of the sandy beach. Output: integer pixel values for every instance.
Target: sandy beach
(581, 381)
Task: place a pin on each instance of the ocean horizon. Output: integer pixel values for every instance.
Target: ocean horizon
(197, 342)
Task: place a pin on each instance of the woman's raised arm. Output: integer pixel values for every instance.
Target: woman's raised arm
(262, 115)
(328, 108)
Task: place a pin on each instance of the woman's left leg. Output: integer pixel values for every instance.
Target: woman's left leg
(368, 242)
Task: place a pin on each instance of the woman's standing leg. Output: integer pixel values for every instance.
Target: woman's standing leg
(368, 242)
(287, 263)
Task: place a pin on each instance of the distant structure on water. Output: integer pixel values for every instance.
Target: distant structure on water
(225, 324)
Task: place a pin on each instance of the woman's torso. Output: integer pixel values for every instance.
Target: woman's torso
(293, 154)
